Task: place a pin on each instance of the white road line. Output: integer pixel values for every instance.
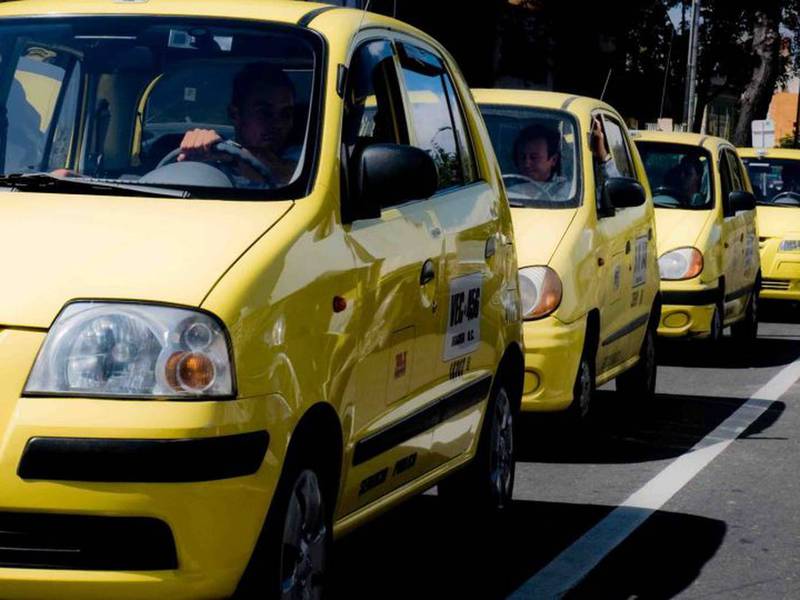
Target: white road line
(578, 560)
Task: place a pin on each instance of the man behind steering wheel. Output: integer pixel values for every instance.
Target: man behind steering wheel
(262, 111)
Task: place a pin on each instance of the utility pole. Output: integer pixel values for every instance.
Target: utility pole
(689, 99)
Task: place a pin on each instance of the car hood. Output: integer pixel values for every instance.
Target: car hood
(56, 248)
(538, 231)
(778, 221)
(677, 228)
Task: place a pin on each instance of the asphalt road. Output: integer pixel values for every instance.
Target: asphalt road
(731, 531)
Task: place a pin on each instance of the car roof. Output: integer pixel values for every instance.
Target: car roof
(539, 99)
(679, 137)
(790, 153)
(286, 11)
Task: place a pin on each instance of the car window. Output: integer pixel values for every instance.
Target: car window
(463, 138)
(727, 184)
(775, 181)
(679, 175)
(537, 152)
(425, 80)
(737, 177)
(618, 146)
(373, 110)
(33, 100)
(139, 84)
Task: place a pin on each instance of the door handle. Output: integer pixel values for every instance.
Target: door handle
(628, 247)
(741, 238)
(727, 245)
(428, 272)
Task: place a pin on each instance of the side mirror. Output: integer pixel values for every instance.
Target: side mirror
(741, 200)
(390, 174)
(622, 192)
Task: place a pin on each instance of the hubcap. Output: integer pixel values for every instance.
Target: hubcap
(502, 455)
(304, 549)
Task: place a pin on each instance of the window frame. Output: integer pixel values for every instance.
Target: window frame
(677, 146)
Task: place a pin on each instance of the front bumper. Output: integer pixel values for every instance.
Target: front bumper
(780, 272)
(113, 462)
(552, 353)
(687, 311)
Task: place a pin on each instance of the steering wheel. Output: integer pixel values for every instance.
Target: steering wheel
(676, 195)
(515, 179)
(791, 198)
(235, 150)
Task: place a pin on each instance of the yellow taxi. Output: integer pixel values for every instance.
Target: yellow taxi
(706, 224)
(586, 246)
(775, 177)
(259, 286)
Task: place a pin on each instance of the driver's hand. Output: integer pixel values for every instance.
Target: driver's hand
(198, 144)
(598, 141)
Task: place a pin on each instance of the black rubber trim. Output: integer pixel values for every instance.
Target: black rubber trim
(306, 19)
(85, 542)
(143, 460)
(421, 421)
(569, 101)
(700, 298)
(738, 293)
(628, 329)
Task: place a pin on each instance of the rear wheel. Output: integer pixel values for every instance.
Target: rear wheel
(487, 483)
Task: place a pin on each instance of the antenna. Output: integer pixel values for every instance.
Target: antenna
(605, 87)
(364, 14)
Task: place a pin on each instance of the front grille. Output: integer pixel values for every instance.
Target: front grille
(50, 541)
(774, 284)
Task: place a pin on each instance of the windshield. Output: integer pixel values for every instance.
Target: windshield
(537, 152)
(679, 175)
(112, 99)
(775, 181)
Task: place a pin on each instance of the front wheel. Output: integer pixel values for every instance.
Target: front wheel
(291, 560)
(488, 481)
(639, 382)
(746, 330)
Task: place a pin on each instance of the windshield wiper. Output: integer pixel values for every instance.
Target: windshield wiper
(45, 182)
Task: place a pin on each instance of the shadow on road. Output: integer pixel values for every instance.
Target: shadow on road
(779, 312)
(659, 560)
(770, 351)
(427, 550)
(622, 433)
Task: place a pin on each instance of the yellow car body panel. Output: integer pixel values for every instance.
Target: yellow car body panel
(318, 314)
(589, 255)
(780, 270)
(726, 243)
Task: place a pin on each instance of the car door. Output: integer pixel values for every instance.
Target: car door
(399, 255)
(639, 243)
(748, 236)
(459, 352)
(732, 239)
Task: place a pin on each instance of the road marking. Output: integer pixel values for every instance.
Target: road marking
(570, 567)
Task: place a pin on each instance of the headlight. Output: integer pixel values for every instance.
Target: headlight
(789, 246)
(683, 263)
(133, 350)
(540, 290)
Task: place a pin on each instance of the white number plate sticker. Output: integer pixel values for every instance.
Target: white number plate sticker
(464, 316)
(640, 262)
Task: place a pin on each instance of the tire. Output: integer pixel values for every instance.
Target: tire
(584, 387)
(293, 553)
(717, 325)
(746, 330)
(639, 383)
(487, 482)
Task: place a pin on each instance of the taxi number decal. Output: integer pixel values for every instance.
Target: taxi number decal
(640, 262)
(464, 316)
